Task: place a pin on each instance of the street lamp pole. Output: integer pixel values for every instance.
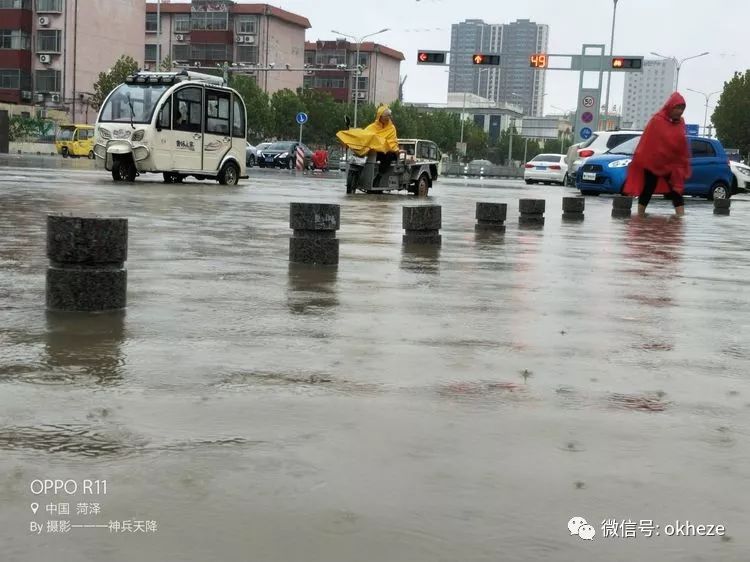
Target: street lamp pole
(705, 115)
(357, 72)
(609, 73)
(679, 64)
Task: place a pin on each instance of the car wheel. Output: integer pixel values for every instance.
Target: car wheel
(719, 190)
(351, 182)
(423, 186)
(229, 175)
(64, 152)
(123, 169)
(91, 155)
(529, 182)
(250, 161)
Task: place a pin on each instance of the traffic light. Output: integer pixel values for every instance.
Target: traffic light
(481, 58)
(431, 57)
(627, 63)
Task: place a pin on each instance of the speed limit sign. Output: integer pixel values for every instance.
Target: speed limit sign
(588, 101)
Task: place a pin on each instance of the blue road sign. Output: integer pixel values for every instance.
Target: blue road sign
(301, 118)
(693, 129)
(585, 133)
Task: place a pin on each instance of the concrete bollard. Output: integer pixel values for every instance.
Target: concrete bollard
(314, 239)
(573, 208)
(721, 206)
(622, 206)
(532, 212)
(491, 217)
(87, 263)
(422, 224)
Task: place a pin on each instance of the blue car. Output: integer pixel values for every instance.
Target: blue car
(711, 175)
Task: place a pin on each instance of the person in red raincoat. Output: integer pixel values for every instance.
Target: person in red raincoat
(320, 159)
(661, 162)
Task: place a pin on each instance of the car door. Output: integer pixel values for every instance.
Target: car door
(217, 140)
(702, 158)
(187, 129)
(163, 145)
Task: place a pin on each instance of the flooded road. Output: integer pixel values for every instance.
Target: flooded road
(458, 404)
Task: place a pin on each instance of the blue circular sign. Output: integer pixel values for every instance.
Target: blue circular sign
(587, 117)
(586, 133)
(301, 118)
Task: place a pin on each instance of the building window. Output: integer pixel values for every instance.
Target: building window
(15, 4)
(210, 52)
(43, 6)
(14, 39)
(47, 80)
(210, 21)
(331, 59)
(248, 53)
(151, 23)
(10, 79)
(150, 53)
(182, 23)
(181, 52)
(247, 25)
(363, 83)
(309, 57)
(48, 40)
(330, 83)
(364, 59)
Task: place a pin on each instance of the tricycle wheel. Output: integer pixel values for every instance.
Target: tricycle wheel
(423, 186)
(351, 181)
(123, 169)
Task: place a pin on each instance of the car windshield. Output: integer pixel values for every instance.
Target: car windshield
(65, 134)
(283, 146)
(546, 158)
(132, 100)
(627, 148)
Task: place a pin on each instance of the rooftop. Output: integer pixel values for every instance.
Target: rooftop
(366, 47)
(258, 9)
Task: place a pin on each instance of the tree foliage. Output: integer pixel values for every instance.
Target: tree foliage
(110, 79)
(732, 114)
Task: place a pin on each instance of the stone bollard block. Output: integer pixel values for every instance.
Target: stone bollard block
(722, 206)
(573, 208)
(314, 239)
(622, 206)
(532, 212)
(422, 224)
(87, 256)
(491, 217)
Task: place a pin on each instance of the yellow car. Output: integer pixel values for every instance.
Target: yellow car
(75, 140)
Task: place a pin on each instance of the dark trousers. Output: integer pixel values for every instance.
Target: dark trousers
(384, 159)
(649, 186)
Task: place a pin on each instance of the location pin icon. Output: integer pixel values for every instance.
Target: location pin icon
(34, 507)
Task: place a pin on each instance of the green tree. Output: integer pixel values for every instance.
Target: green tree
(285, 105)
(325, 117)
(110, 79)
(732, 114)
(166, 64)
(259, 121)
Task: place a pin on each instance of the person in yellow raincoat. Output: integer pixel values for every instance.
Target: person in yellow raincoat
(380, 136)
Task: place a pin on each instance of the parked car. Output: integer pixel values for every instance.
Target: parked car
(711, 176)
(546, 168)
(478, 167)
(282, 154)
(570, 158)
(251, 155)
(599, 143)
(741, 182)
(259, 148)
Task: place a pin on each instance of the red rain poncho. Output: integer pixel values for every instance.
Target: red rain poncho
(663, 149)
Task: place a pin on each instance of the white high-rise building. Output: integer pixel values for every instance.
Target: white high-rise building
(645, 92)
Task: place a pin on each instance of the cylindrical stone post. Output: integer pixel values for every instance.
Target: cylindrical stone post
(314, 239)
(532, 212)
(491, 217)
(573, 208)
(87, 263)
(622, 206)
(422, 224)
(721, 206)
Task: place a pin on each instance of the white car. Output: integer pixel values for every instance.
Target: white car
(546, 168)
(599, 143)
(741, 173)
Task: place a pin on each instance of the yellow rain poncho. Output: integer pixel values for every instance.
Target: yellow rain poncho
(376, 136)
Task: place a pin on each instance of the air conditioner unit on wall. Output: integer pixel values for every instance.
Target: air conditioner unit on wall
(45, 59)
(26, 95)
(249, 39)
(43, 21)
(239, 39)
(55, 98)
(40, 98)
(179, 37)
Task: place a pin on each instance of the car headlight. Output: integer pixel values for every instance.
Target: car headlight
(283, 155)
(105, 134)
(624, 163)
(138, 135)
(744, 171)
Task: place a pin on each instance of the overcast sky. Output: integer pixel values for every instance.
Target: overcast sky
(672, 27)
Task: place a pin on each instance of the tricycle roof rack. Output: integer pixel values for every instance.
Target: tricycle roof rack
(146, 77)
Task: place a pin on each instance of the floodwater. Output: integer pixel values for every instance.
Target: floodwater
(459, 404)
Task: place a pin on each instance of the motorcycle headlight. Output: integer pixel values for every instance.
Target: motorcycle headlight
(624, 163)
(138, 135)
(283, 155)
(105, 134)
